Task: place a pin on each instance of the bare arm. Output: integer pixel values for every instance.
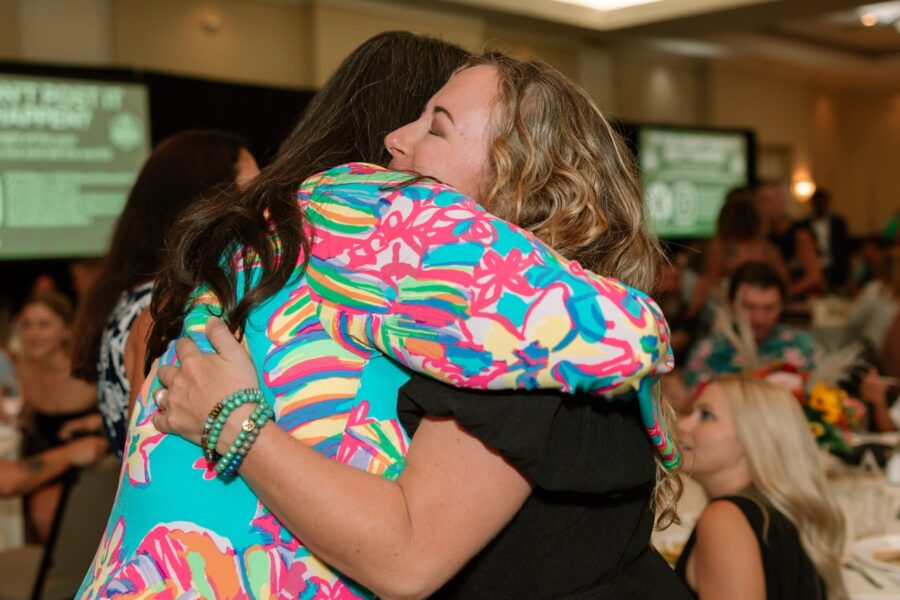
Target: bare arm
(135, 350)
(30, 473)
(401, 538)
(873, 390)
(726, 563)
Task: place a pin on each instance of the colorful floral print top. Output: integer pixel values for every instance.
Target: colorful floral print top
(401, 276)
(715, 355)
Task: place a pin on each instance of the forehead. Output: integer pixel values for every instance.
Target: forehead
(713, 398)
(474, 89)
(38, 310)
(758, 295)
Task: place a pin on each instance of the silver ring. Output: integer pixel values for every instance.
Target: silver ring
(159, 396)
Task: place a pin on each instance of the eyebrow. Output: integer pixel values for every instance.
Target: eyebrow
(441, 109)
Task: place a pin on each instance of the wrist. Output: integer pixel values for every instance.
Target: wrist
(233, 427)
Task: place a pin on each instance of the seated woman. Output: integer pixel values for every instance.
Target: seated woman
(57, 405)
(114, 319)
(536, 495)
(772, 529)
(28, 474)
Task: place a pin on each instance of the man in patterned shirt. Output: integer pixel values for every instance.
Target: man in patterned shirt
(758, 291)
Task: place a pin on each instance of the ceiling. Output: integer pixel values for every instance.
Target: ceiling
(823, 38)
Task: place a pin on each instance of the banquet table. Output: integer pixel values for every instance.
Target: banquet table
(670, 541)
(11, 511)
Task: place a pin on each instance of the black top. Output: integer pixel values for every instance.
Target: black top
(585, 530)
(790, 575)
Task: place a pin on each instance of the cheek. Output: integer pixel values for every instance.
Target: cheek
(715, 448)
(472, 176)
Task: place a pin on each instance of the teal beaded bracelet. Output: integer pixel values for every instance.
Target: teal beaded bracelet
(228, 465)
(212, 428)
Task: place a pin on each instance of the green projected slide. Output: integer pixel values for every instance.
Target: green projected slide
(686, 174)
(70, 150)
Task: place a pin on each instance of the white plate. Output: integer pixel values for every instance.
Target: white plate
(867, 550)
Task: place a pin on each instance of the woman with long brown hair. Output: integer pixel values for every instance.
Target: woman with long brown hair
(532, 146)
(114, 320)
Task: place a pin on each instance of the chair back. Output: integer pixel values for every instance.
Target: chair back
(79, 525)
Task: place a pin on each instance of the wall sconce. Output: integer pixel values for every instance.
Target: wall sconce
(803, 190)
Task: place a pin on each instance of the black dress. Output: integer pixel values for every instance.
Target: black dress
(585, 530)
(790, 574)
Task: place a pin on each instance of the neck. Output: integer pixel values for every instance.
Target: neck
(55, 361)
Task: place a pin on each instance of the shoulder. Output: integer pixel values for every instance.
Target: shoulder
(358, 176)
(712, 344)
(726, 541)
(721, 515)
(798, 336)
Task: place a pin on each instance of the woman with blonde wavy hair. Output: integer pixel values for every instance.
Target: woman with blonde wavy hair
(772, 528)
(543, 494)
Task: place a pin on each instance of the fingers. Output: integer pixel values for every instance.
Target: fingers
(166, 375)
(222, 339)
(186, 348)
(161, 421)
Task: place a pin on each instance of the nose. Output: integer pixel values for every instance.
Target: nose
(395, 144)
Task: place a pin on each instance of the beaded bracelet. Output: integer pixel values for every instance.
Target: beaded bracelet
(228, 465)
(212, 428)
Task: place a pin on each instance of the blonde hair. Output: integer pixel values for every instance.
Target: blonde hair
(785, 470)
(560, 171)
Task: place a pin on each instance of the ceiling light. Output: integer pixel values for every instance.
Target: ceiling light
(869, 19)
(803, 189)
(607, 5)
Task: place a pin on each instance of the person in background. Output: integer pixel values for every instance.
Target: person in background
(57, 405)
(8, 383)
(26, 475)
(794, 240)
(740, 237)
(84, 273)
(866, 262)
(876, 308)
(43, 284)
(113, 320)
(772, 529)
(832, 240)
(758, 292)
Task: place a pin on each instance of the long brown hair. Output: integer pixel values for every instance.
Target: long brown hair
(383, 84)
(562, 172)
(182, 169)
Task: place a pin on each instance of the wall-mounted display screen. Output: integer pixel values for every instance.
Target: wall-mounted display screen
(687, 173)
(70, 150)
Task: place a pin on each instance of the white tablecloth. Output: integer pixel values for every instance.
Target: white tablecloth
(12, 531)
(694, 500)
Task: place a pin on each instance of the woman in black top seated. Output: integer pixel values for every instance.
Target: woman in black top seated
(772, 529)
